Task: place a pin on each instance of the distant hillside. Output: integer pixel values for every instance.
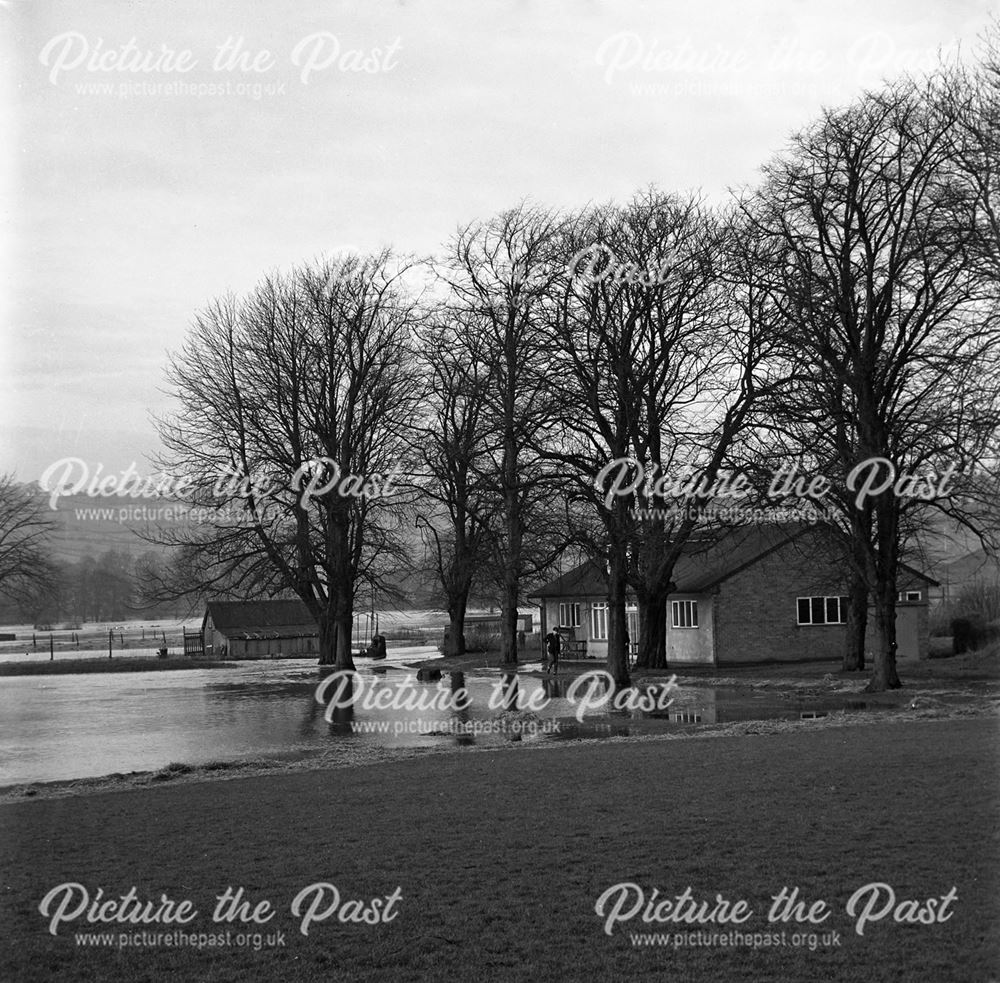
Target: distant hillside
(89, 526)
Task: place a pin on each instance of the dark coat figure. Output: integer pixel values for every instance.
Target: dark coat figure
(376, 650)
(553, 643)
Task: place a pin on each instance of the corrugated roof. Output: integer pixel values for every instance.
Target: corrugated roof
(258, 617)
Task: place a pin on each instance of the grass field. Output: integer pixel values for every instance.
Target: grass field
(500, 858)
(121, 664)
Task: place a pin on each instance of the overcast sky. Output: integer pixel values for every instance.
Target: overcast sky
(163, 153)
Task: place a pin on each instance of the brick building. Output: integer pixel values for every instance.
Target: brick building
(758, 594)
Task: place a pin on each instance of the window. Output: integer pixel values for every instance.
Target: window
(569, 615)
(822, 610)
(909, 595)
(599, 622)
(686, 718)
(684, 614)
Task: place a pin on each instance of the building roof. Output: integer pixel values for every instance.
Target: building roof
(586, 580)
(273, 619)
(704, 562)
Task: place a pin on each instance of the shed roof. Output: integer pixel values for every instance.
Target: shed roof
(273, 619)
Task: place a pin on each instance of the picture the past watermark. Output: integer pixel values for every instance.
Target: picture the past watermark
(236, 918)
(589, 692)
(656, 492)
(791, 918)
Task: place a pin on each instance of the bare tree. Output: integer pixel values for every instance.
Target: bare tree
(882, 310)
(302, 393)
(450, 443)
(26, 526)
(499, 275)
(657, 370)
(971, 96)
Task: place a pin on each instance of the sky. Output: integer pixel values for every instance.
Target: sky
(159, 154)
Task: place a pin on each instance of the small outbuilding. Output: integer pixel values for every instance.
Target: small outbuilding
(281, 629)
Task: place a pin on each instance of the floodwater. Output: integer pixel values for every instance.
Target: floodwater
(76, 726)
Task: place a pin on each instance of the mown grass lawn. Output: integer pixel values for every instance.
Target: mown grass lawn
(500, 858)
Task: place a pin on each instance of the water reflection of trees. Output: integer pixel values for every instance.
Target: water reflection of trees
(552, 688)
(460, 709)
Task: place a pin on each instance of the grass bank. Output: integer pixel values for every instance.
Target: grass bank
(978, 667)
(500, 857)
(76, 666)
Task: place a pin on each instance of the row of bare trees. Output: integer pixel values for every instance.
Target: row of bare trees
(103, 587)
(843, 311)
(36, 586)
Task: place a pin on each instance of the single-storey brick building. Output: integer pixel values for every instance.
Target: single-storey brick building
(757, 594)
(259, 630)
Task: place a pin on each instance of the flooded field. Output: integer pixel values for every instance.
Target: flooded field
(76, 726)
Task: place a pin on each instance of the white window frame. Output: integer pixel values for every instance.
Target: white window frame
(599, 621)
(824, 600)
(908, 595)
(572, 608)
(684, 614)
(686, 717)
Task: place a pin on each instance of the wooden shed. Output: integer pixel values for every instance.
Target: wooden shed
(259, 630)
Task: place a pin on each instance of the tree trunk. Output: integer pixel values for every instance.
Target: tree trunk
(617, 623)
(508, 624)
(509, 691)
(857, 624)
(657, 557)
(652, 631)
(454, 634)
(884, 676)
(342, 646)
(327, 643)
(884, 566)
(335, 625)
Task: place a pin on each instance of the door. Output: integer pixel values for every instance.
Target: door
(632, 627)
(908, 632)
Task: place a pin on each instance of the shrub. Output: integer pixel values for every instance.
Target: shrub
(972, 618)
(979, 598)
(479, 639)
(972, 633)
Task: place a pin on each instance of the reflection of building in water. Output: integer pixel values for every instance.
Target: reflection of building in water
(552, 688)
(692, 705)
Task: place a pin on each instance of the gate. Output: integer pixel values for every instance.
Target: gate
(194, 643)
